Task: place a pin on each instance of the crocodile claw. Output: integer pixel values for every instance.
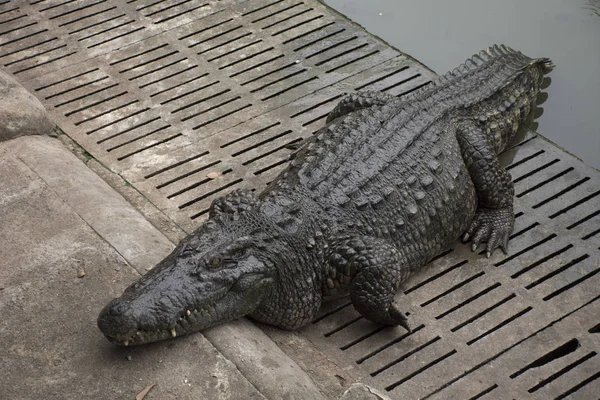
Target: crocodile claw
(399, 318)
(491, 226)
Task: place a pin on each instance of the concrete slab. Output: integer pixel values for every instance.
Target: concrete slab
(56, 273)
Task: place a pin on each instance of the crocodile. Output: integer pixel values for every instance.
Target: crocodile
(386, 185)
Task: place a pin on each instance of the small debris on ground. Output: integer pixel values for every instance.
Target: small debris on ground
(212, 175)
(144, 392)
(128, 358)
(80, 272)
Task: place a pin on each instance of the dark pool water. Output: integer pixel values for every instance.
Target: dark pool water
(442, 34)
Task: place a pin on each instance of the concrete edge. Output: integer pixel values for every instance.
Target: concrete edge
(260, 360)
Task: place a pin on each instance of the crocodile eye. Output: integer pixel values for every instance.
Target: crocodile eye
(215, 262)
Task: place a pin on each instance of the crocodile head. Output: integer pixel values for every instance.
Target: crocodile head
(219, 273)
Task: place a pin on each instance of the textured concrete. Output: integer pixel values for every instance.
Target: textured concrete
(359, 391)
(275, 374)
(20, 112)
(107, 212)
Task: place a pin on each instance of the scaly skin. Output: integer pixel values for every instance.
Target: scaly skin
(380, 190)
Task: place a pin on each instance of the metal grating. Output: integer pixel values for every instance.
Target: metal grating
(519, 326)
(187, 105)
(189, 99)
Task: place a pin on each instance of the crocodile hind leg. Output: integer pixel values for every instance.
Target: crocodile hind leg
(355, 101)
(494, 220)
(376, 269)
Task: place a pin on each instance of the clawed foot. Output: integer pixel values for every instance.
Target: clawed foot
(392, 316)
(492, 226)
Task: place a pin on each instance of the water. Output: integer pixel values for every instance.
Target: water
(442, 34)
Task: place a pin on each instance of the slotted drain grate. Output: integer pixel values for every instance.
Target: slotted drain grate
(189, 99)
(518, 326)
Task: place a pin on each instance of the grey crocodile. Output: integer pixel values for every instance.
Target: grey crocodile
(379, 191)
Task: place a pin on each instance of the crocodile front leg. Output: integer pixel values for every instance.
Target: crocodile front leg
(355, 101)
(494, 220)
(377, 269)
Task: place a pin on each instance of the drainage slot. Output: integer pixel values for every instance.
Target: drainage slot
(162, 128)
(525, 250)
(556, 272)
(287, 18)
(482, 313)
(149, 146)
(285, 146)
(405, 356)
(96, 102)
(420, 370)
(436, 276)
(297, 25)
(182, 95)
(469, 300)
(185, 11)
(576, 204)
(262, 8)
(579, 386)
(524, 160)
(540, 261)
(277, 12)
(565, 190)
(595, 329)
(221, 117)
(572, 284)
(363, 337)
(177, 164)
(263, 142)
(256, 66)
(381, 78)
(453, 288)
(329, 313)
(205, 29)
(555, 354)
(291, 87)
(343, 326)
(591, 234)
(486, 391)
(208, 194)
(353, 61)
(106, 112)
(390, 344)
(561, 372)
(402, 82)
(199, 101)
(239, 139)
(539, 185)
(307, 33)
(584, 219)
(535, 171)
(251, 56)
(500, 325)
(143, 110)
(192, 172)
(269, 167)
(316, 106)
(164, 78)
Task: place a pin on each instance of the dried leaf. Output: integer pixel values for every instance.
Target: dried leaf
(212, 175)
(144, 392)
(80, 272)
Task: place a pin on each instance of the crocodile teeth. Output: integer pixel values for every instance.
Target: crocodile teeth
(188, 313)
(126, 343)
(173, 333)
